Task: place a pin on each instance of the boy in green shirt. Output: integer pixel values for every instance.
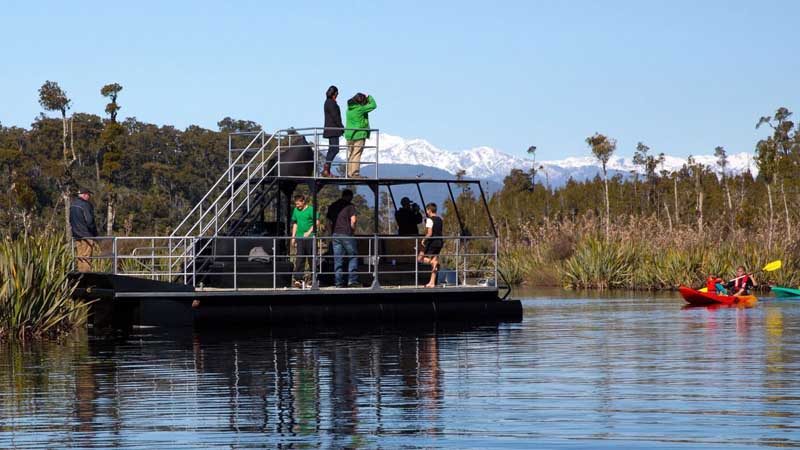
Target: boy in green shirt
(304, 219)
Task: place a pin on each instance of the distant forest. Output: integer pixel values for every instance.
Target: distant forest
(146, 177)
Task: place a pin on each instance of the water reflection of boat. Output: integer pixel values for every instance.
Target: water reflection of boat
(327, 385)
(334, 379)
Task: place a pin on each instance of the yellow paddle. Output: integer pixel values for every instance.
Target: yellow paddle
(774, 265)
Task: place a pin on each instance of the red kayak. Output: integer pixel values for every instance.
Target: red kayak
(695, 297)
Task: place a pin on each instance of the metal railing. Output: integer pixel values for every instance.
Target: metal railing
(310, 138)
(264, 156)
(382, 261)
(223, 200)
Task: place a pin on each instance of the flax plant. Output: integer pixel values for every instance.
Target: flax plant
(35, 290)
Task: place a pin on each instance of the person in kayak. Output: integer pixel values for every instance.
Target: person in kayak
(714, 285)
(742, 284)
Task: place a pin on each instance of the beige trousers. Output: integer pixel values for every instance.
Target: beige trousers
(354, 151)
(84, 249)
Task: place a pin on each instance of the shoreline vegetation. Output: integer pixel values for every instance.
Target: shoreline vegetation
(642, 254)
(35, 290)
(653, 229)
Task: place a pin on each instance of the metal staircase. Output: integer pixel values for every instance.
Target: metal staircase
(247, 176)
(249, 184)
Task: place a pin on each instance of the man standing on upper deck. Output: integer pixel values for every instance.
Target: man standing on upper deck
(333, 128)
(358, 109)
(81, 222)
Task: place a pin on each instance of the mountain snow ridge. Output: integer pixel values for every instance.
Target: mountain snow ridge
(489, 163)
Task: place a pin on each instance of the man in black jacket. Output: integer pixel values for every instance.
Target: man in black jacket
(333, 128)
(81, 221)
(407, 218)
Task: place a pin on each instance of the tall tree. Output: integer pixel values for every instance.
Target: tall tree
(111, 91)
(648, 164)
(111, 152)
(766, 160)
(53, 98)
(696, 171)
(722, 162)
(602, 149)
(784, 147)
(532, 152)
(675, 196)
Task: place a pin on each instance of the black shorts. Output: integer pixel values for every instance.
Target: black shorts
(433, 247)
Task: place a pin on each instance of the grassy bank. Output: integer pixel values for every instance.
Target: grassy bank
(644, 254)
(35, 293)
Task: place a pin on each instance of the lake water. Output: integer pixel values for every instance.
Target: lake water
(580, 371)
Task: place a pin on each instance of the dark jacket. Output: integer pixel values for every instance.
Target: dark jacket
(333, 119)
(339, 214)
(407, 220)
(81, 219)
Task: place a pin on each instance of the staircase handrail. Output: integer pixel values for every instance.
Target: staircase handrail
(225, 176)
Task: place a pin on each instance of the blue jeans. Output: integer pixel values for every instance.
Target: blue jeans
(344, 248)
(333, 149)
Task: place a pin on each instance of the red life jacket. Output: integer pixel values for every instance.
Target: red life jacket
(711, 284)
(740, 283)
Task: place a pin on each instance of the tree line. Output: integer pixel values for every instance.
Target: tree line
(704, 198)
(146, 177)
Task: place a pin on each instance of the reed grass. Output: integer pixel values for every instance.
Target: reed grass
(35, 291)
(517, 266)
(641, 253)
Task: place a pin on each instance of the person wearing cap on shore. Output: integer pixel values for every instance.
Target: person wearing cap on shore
(81, 221)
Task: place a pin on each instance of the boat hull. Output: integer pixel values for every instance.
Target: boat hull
(697, 298)
(784, 292)
(121, 302)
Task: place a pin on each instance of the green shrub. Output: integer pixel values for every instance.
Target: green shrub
(599, 264)
(35, 291)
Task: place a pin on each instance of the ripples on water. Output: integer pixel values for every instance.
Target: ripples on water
(632, 371)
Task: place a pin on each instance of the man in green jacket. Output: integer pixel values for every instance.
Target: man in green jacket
(358, 109)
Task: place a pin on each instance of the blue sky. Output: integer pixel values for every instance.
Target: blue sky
(681, 76)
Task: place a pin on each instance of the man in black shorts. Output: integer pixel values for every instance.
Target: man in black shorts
(432, 243)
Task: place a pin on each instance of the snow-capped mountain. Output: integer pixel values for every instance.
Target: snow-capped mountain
(489, 163)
